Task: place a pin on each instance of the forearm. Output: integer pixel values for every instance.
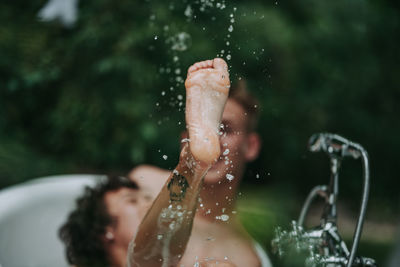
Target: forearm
(164, 232)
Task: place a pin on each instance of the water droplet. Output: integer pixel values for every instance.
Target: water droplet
(178, 71)
(188, 11)
(159, 237)
(155, 37)
(227, 43)
(165, 157)
(228, 57)
(163, 93)
(226, 152)
(224, 217)
(230, 29)
(210, 238)
(185, 140)
(180, 41)
(257, 176)
(230, 177)
(180, 97)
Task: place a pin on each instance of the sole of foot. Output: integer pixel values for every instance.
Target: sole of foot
(207, 87)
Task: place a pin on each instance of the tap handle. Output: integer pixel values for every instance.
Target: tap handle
(333, 144)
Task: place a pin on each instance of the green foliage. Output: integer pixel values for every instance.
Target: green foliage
(89, 98)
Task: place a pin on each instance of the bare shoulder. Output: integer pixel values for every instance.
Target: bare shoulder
(216, 263)
(233, 248)
(148, 171)
(149, 177)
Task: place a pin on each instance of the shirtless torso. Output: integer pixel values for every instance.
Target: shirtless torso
(219, 241)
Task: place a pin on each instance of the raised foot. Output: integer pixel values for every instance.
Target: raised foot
(207, 87)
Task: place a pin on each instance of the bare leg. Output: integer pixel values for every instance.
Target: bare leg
(165, 230)
(207, 87)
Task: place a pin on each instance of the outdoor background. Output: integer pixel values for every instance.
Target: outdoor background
(106, 93)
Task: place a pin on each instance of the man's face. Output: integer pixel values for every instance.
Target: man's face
(233, 145)
(128, 206)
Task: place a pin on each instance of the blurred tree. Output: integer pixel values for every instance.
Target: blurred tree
(108, 93)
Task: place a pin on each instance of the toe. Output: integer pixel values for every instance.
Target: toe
(192, 68)
(201, 65)
(209, 63)
(219, 63)
(196, 66)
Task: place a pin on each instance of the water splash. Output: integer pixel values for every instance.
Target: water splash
(228, 36)
(230, 177)
(222, 217)
(295, 243)
(188, 12)
(180, 41)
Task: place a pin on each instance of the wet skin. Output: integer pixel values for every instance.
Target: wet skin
(129, 207)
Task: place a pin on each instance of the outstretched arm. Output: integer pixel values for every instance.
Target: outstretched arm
(165, 230)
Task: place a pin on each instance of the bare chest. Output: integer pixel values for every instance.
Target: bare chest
(240, 252)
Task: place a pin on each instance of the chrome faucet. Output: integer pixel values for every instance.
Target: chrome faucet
(324, 244)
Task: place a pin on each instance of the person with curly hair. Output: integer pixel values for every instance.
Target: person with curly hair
(114, 225)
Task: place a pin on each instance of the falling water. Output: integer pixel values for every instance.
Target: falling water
(296, 247)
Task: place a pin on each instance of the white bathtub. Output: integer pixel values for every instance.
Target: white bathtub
(30, 216)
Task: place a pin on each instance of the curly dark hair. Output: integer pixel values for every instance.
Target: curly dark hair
(86, 225)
